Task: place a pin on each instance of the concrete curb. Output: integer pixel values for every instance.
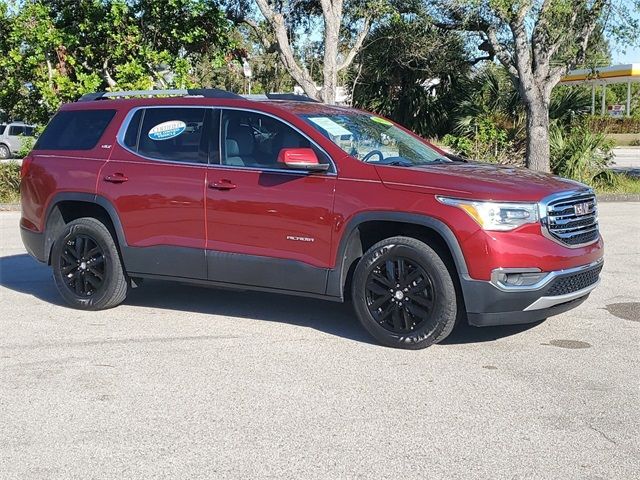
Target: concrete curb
(9, 207)
(619, 197)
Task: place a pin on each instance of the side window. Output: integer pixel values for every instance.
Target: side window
(74, 130)
(133, 131)
(16, 130)
(250, 139)
(176, 134)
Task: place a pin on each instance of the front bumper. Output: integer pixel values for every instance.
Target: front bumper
(490, 304)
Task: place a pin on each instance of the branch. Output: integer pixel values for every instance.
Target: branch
(299, 74)
(480, 59)
(521, 50)
(357, 44)
(498, 50)
(264, 39)
(107, 76)
(583, 42)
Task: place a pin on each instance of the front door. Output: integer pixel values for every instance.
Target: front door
(267, 226)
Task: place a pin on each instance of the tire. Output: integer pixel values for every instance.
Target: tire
(5, 153)
(87, 269)
(417, 309)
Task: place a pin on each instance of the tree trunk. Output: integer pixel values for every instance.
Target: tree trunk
(538, 152)
(332, 21)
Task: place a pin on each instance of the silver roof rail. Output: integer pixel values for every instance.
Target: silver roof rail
(183, 92)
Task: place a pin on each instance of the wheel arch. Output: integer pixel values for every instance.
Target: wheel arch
(364, 230)
(68, 206)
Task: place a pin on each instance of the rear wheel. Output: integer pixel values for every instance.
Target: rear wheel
(86, 266)
(404, 295)
(4, 152)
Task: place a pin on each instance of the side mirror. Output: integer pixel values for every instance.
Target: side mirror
(301, 159)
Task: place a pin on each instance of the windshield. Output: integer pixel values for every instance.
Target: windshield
(374, 139)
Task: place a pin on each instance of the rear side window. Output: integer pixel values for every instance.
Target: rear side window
(176, 134)
(74, 130)
(15, 130)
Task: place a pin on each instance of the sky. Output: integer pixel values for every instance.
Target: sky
(631, 56)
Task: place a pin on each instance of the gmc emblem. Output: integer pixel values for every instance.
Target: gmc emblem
(581, 208)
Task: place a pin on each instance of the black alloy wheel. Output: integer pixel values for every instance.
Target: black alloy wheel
(400, 295)
(404, 294)
(87, 268)
(82, 265)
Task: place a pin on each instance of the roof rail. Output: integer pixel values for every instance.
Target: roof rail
(290, 96)
(184, 92)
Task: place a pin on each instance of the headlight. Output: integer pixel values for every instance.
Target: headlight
(496, 215)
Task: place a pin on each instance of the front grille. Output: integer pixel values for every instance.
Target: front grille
(573, 283)
(573, 220)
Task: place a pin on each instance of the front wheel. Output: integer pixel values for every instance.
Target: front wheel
(86, 266)
(403, 294)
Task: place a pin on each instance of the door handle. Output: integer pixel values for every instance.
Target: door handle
(116, 178)
(223, 185)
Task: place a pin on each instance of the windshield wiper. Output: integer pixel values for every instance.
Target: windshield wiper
(399, 163)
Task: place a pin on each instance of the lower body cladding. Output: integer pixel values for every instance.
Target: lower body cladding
(497, 302)
(511, 297)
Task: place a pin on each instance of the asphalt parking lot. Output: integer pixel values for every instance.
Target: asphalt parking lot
(185, 382)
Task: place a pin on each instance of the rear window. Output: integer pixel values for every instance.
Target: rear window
(2, 127)
(74, 130)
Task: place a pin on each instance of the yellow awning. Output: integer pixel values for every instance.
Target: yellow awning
(604, 75)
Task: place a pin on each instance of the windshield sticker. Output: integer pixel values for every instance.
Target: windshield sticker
(331, 127)
(167, 130)
(382, 121)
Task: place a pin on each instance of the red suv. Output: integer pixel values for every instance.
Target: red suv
(283, 194)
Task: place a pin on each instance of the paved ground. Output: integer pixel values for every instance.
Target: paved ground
(627, 159)
(185, 383)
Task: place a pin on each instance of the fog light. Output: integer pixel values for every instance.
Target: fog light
(517, 278)
(522, 279)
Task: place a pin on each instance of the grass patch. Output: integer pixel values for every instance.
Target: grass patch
(9, 182)
(622, 184)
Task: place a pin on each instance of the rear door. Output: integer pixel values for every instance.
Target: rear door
(155, 177)
(267, 226)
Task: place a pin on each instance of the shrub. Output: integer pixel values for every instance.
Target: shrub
(9, 182)
(613, 125)
(582, 155)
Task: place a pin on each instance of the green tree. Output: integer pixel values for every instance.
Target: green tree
(56, 50)
(343, 25)
(537, 41)
(411, 71)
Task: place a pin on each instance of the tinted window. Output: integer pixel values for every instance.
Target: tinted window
(74, 130)
(251, 139)
(2, 127)
(21, 130)
(175, 134)
(133, 130)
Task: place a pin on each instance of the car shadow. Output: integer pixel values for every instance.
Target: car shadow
(23, 274)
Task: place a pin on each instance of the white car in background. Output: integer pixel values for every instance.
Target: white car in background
(12, 137)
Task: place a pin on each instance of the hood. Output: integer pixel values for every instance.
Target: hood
(481, 181)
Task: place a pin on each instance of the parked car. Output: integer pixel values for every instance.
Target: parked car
(292, 196)
(12, 137)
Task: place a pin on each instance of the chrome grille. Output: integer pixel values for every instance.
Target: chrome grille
(572, 220)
